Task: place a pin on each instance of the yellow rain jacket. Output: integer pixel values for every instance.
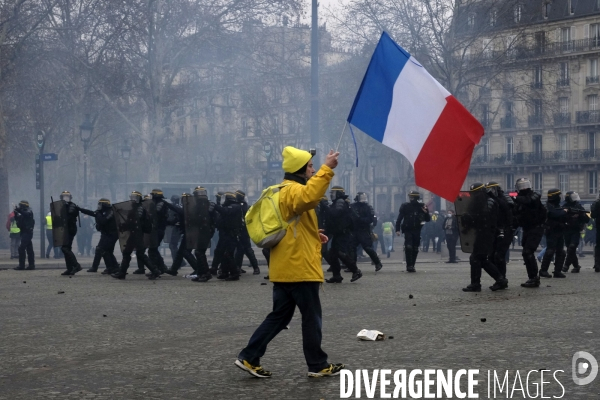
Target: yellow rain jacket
(297, 258)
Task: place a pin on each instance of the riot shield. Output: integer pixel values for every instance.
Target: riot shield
(126, 221)
(60, 231)
(150, 239)
(197, 222)
(168, 233)
(468, 206)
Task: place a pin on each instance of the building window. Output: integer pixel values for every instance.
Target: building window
(488, 48)
(563, 105)
(537, 182)
(537, 107)
(195, 130)
(511, 50)
(570, 7)
(592, 182)
(485, 146)
(592, 144)
(509, 148)
(471, 21)
(593, 102)
(547, 10)
(563, 182)
(593, 73)
(537, 145)
(537, 77)
(594, 35)
(518, 12)
(565, 39)
(510, 182)
(485, 115)
(493, 17)
(563, 146)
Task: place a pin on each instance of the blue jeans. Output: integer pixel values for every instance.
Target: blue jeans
(286, 296)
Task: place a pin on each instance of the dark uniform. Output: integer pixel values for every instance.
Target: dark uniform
(411, 218)
(67, 248)
(555, 241)
(139, 225)
(504, 240)
(244, 245)
(25, 222)
(230, 215)
(364, 218)
(595, 213)
(483, 217)
(451, 232)
(182, 252)
(159, 225)
(576, 220)
(173, 220)
(107, 226)
(343, 245)
(530, 215)
(219, 248)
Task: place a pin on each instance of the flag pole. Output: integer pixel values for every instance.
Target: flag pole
(341, 136)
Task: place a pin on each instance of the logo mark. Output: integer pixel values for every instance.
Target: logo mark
(580, 367)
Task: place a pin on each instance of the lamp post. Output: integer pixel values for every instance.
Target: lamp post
(125, 154)
(373, 159)
(268, 149)
(348, 165)
(41, 140)
(85, 130)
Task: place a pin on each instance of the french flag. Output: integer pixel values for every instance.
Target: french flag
(400, 105)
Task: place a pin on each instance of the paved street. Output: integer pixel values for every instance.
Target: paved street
(175, 339)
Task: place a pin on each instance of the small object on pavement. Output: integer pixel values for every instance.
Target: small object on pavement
(372, 335)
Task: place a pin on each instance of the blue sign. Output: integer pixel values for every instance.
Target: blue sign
(275, 165)
(50, 157)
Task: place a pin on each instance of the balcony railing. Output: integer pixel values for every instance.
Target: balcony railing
(591, 80)
(588, 117)
(563, 82)
(536, 158)
(561, 119)
(508, 122)
(535, 121)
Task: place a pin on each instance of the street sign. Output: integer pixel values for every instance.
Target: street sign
(50, 157)
(275, 165)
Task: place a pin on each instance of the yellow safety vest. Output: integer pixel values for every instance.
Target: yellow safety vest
(49, 222)
(14, 228)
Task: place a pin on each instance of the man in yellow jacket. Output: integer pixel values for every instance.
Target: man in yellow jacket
(295, 266)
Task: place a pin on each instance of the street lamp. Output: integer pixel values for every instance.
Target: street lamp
(373, 159)
(348, 165)
(268, 149)
(125, 154)
(40, 138)
(85, 130)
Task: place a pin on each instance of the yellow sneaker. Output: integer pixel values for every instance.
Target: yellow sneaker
(331, 370)
(255, 370)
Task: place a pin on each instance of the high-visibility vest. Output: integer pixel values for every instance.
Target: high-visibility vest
(48, 222)
(14, 228)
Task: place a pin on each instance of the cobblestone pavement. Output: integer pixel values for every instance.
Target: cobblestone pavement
(175, 339)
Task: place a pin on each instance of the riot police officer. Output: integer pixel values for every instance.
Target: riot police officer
(555, 241)
(504, 225)
(230, 214)
(67, 248)
(576, 219)
(364, 219)
(343, 246)
(218, 253)
(530, 215)
(483, 217)
(173, 220)
(137, 224)
(25, 223)
(411, 218)
(244, 245)
(182, 252)
(203, 216)
(107, 226)
(159, 224)
(595, 213)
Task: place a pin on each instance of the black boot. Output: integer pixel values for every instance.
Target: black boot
(119, 275)
(19, 268)
(531, 283)
(356, 275)
(139, 271)
(335, 279)
(500, 284)
(576, 269)
(76, 269)
(472, 288)
(256, 271)
(378, 267)
(30, 268)
(408, 259)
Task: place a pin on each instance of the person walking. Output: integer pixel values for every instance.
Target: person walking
(295, 267)
(25, 222)
(451, 231)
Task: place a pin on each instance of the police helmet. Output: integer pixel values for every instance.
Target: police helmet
(135, 196)
(414, 195)
(200, 192)
(522, 184)
(361, 197)
(476, 187)
(336, 192)
(231, 197)
(572, 196)
(103, 203)
(240, 195)
(23, 204)
(554, 195)
(157, 194)
(66, 196)
(493, 188)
